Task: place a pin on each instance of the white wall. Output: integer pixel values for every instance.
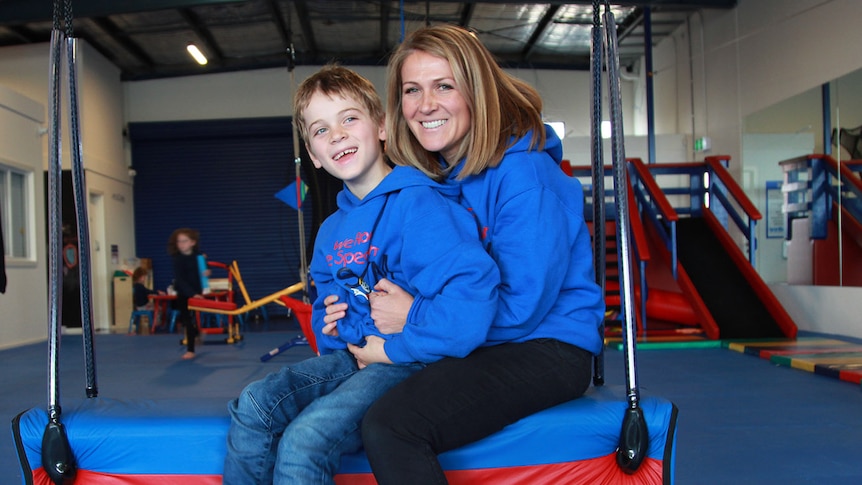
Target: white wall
(725, 65)
(825, 309)
(23, 308)
(248, 94)
(24, 69)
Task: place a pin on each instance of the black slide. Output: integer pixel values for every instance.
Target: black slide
(728, 295)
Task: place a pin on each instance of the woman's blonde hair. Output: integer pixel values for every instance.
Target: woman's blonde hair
(335, 80)
(501, 105)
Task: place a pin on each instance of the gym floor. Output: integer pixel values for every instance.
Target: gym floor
(742, 419)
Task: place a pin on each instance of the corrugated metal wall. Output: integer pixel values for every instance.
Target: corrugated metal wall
(220, 177)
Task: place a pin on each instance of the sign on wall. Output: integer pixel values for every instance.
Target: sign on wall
(775, 219)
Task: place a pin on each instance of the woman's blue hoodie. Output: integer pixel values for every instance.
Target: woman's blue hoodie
(412, 231)
(532, 223)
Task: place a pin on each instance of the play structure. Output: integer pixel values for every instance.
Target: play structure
(687, 264)
(824, 210)
(229, 307)
(612, 434)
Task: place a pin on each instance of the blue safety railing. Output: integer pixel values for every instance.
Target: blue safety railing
(689, 188)
(815, 183)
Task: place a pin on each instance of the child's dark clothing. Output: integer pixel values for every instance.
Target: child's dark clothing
(187, 283)
(140, 295)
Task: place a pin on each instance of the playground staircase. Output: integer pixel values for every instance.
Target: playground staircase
(612, 269)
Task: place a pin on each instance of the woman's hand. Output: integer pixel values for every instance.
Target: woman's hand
(372, 352)
(334, 313)
(389, 306)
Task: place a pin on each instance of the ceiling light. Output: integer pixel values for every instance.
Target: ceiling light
(196, 53)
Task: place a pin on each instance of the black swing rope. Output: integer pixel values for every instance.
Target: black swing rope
(598, 173)
(57, 457)
(634, 439)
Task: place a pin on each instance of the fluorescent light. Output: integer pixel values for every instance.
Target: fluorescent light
(196, 53)
(606, 129)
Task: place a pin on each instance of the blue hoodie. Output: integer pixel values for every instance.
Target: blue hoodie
(412, 231)
(532, 221)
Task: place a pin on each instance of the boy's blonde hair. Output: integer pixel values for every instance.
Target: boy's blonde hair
(335, 80)
(501, 105)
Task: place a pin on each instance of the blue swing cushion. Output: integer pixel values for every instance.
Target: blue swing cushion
(182, 442)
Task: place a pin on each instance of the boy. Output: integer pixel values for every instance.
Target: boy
(394, 223)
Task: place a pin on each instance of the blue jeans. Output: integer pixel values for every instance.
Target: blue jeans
(292, 426)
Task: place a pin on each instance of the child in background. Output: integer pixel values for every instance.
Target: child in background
(183, 246)
(140, 292)
(293, 425)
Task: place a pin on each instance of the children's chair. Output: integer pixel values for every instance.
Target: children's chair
(173, 319)
(135, 320)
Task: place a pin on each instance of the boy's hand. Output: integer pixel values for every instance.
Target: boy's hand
(330, 329)
(372, 352)
(334, 311)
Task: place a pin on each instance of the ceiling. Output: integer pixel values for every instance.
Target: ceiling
(147, 39)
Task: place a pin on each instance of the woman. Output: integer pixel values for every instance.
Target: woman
(454, 113)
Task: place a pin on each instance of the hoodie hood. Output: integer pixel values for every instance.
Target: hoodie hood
(400, 178)
(553, 147)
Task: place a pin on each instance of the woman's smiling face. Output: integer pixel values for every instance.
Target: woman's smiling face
(433, 106)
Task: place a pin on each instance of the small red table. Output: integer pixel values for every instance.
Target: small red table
(161, 304)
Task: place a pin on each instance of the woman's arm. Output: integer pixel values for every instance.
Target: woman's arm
(390, 305)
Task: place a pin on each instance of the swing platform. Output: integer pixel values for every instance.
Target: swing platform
(183, 442)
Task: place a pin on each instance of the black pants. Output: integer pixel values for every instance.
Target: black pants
(187, 320)
(454, 402)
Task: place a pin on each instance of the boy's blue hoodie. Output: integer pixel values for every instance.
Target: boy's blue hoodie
(412, 231)
(532, 221)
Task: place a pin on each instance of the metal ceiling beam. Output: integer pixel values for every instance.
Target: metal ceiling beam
(25, 35)
(696, 4)
(625, 28)
(283, 30)
(385, 8)
(467, 14)
(540, 29)
(211, 46)
(123, 40)
(222, 65)
(23, 11)
(307, 30)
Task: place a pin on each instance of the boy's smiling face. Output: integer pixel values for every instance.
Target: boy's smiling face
(344, 140)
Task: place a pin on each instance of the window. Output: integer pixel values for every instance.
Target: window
(14, 207)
